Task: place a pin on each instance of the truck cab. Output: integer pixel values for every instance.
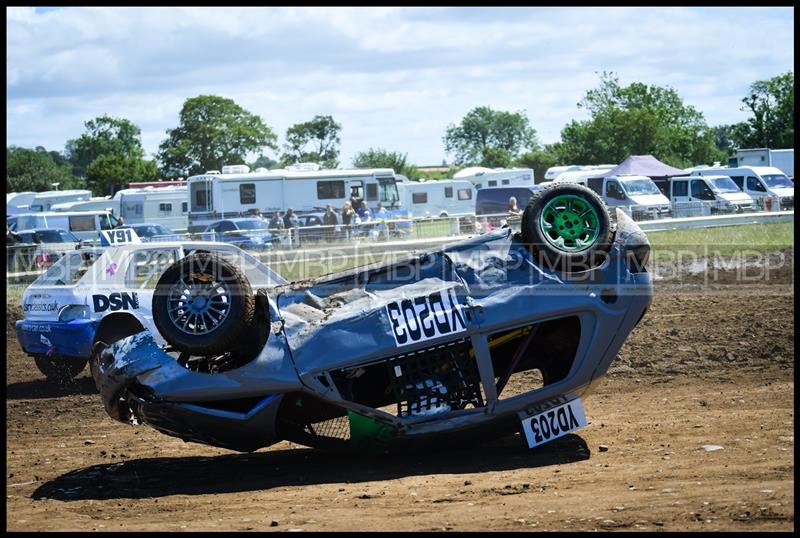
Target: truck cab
(702, 195)
(636, 195)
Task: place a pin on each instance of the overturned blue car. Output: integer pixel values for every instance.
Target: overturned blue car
(503, 332)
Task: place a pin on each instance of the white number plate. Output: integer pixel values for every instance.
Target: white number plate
(554, 423)
(110, 238)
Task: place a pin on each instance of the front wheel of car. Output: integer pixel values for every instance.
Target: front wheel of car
(567, 227)
(203, 305)
(59, 369)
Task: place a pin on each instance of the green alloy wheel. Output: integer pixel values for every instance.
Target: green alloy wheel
(568, 227)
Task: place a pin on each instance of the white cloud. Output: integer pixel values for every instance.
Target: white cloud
(394, 77)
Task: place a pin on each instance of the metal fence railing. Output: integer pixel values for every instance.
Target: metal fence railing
(35, 258)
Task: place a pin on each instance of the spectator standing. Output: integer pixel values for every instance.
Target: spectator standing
(512, 207)
(276, 223)
(361, 209)
(330, 220)
(348, 218)
(347, 214)
(290, 219)
(291, 223)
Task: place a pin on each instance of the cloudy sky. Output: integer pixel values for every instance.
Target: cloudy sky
(394, 78)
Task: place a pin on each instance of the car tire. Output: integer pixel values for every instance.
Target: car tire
(219, 294)
(59, 369)
(567, 227)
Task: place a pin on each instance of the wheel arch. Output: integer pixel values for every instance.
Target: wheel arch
(116, 326)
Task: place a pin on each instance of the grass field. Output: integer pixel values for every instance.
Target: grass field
(725, 240)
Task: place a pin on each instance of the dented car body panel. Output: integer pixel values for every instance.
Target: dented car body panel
(409, 350)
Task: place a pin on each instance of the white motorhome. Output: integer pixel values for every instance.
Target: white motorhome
(481, 177)
(96, 203)
(20, 199)
(636, 195)
(555, 171)
(438, 198)
(704, 195)
(44, 201)
(782, 159)
(761, 182)
(168, 206)
(237, 192)
(581, 176)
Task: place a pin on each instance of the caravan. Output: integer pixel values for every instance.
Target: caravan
(237, 192)
(168, 206)
(44, 201)
(21, 200)
(482, 177)
(582, 176)
(554, 172)
(437, 198)
(96, 203)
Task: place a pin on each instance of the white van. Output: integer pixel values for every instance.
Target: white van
(636, 195)
(705, 195)
(437, 198)
(760, 182)
(83, 224)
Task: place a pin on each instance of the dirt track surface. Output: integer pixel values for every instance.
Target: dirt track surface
(708, 365)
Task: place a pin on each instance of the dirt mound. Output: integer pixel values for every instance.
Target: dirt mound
(693, 429)
(684, 334)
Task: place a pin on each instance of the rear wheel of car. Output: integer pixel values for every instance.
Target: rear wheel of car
(567, 227)
(203, 305)
(59, 369)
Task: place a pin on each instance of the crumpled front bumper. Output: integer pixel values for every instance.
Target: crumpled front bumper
(126, 373)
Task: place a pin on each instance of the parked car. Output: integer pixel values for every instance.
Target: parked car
(250, 232)
(98, 295)
(51, 244)
(438, 345)
(494, 200)
(154, 232)
(311, 228)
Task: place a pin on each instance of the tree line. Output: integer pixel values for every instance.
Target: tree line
(213, 131)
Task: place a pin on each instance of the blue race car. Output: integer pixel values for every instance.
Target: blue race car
(505, 331)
